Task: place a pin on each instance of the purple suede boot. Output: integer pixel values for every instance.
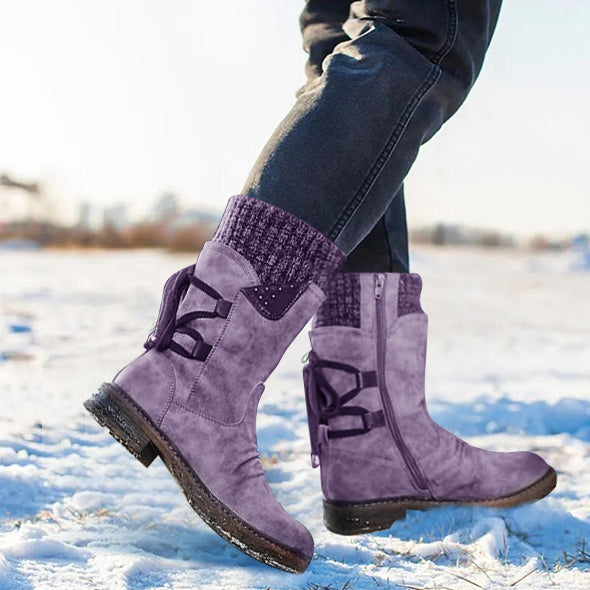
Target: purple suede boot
(191, 397)
(380, 452)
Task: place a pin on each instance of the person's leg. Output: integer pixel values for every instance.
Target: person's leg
(321, 24)
(341, 154)
(379, 451)
(385, 247)
(226, 321)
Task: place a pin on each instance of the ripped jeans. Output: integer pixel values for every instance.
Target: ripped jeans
(382, 78)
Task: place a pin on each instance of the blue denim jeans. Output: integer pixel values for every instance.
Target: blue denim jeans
(383, 76)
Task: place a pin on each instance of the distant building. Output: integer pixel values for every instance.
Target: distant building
(116, 217)
(459, 235)
(198, 216)
(84, 216)
(166, 209)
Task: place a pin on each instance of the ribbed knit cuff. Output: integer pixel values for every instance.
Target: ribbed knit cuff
(408, 296)
(280, 246)
(342, 306)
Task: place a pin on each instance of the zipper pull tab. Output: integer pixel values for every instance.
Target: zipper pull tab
(379, 285)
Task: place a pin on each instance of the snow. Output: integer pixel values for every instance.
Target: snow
(507, 369)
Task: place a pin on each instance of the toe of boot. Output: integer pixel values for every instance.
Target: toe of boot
(299, 539)
(518, 477)
(290, 532)
(494, 478)
(530, 468)
(305, 542)
(224, 460)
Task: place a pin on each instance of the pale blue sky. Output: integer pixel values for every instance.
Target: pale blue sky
(119, 100)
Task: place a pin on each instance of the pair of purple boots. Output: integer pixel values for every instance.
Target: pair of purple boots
(224, 324)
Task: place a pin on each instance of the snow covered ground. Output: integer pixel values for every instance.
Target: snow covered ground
(508, 368)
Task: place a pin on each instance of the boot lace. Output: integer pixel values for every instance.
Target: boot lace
(167, 324)
(325, 403)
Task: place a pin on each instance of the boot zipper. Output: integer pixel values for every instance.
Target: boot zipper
(411, 464)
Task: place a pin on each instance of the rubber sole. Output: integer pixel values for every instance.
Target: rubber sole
(356, 518)
(127, 423)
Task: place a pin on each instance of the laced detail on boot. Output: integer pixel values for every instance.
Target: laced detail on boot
(167, 324)
(324, 402)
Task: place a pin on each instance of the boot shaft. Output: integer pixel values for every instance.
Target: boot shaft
(240, 330)
(374, 321)
(225, 322)
(380, 451)
(365, 375)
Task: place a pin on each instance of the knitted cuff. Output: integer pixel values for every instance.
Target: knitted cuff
(342, 306)
(408, 295)
(279, 246)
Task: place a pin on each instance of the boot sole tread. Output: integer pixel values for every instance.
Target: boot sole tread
(353, 518)
(127, 423)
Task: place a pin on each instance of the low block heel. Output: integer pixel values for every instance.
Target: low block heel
(108, 410)
(356, 519)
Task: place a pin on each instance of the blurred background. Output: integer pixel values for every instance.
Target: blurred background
(130, 123)
(126, 124)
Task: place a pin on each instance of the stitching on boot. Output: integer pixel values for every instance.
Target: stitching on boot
(249, 272)
(242, 262)
(314, 291)
(171, 391)
(214, 348)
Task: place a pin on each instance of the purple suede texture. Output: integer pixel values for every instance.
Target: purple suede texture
(247, 351)
(359, 468)
(143, 378)
(280, 247)
(150, 381)
(208, 409)
(226, 459)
